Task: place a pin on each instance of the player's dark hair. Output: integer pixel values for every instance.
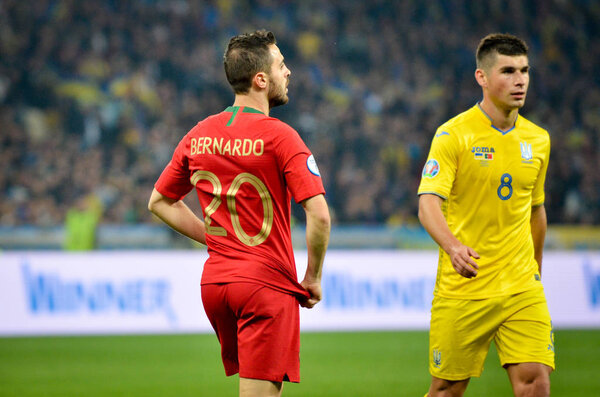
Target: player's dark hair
(246, 55)
(501, 43)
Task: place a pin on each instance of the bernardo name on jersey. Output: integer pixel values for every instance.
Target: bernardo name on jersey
(229, 147)
(489, 180)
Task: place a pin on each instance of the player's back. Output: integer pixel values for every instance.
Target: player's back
(237, 162)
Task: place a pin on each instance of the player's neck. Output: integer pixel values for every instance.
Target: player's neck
(503, 119)
(253, 101)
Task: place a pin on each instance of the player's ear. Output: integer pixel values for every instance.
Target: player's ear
(481, 77)
(261, 80)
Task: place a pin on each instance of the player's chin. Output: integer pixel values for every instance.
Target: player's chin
(518, 102)
(278, 101)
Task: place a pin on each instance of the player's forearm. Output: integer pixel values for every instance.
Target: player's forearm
(538, 232)
(432, 219)
(318, 227)
(178, 216)
(316, 243)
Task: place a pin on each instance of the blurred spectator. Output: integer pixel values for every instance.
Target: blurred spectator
(81, 224)
(95, 95)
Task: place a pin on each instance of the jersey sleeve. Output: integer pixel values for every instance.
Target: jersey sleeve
(174, 182)
(538, 195)
(440, 169)
(299, 167)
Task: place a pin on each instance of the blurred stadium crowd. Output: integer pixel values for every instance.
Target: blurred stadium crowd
(94, 95)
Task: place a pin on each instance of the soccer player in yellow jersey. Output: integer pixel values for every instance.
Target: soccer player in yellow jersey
(481, 198)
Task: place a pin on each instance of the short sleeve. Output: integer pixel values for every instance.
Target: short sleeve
(538, 195)
(174, 182)
(299, 166)
(439, 171)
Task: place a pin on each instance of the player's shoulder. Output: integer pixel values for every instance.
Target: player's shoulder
(276, 124)
(277, 130)
(528, 125)
(464, 119)
(208, 122)
(460, 125)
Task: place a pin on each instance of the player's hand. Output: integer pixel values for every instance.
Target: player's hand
(462, 260)
(314, 289)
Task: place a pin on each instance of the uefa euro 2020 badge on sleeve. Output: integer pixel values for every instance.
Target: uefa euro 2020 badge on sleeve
(312, 165)
(431, 169)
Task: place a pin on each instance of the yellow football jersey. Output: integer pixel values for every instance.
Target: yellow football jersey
(489, 179)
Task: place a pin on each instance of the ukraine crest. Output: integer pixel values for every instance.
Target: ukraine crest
(526, 152)
(551, 344)
(437, 358)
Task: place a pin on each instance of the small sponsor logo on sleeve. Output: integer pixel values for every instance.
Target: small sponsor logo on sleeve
(312, 165)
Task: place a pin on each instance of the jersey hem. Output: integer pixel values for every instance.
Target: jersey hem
(456, 377)
(434, 193)
(240, 279)
(168, 194)
(308, 196)
(529, 359)
(491, 296)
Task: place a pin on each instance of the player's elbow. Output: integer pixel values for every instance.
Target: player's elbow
(324, 220)
(320, 222)
(317, 212)
(151, 206)
(154, 201)
(428, 203)
(321, 216)
(421, 212)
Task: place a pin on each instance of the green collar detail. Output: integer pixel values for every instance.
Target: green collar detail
(246, 109)
(236, 109)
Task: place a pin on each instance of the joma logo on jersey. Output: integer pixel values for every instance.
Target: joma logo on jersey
(483, 152)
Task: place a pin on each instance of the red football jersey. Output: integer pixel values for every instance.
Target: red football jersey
(246, 167)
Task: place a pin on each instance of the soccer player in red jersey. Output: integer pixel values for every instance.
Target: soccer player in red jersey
(246, 167)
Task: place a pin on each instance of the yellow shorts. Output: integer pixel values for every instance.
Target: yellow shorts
(462, 330)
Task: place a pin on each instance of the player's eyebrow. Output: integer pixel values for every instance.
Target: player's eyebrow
(512, 69)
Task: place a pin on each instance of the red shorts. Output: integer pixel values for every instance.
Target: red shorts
(258, 328)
